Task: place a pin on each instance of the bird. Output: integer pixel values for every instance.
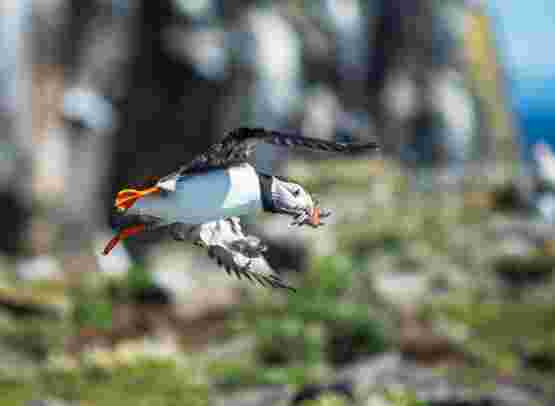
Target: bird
(201, 202)
(545, 158)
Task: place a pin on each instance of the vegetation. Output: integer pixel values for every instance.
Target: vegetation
(299, 337)
(146, 382)
(490, 298)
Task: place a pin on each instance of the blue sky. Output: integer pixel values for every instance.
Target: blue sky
(525, 32)
(526, 35)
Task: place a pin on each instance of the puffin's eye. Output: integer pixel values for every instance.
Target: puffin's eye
(296, 192)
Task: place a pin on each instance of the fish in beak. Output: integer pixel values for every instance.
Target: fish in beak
(315, 217)
(312, 218)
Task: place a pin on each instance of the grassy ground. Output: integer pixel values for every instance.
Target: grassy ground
(349, 304)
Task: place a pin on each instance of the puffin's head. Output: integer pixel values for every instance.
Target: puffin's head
(290, 198)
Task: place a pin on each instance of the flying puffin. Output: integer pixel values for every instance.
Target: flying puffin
(202, 200)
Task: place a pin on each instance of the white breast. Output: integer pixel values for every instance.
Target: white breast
(207, 197)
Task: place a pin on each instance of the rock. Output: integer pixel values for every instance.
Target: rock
(518, 245)
(391, 371)
(314, 392)
(520, 271)
(367, 374)
(267, 396)
(39, 267)
(242, 346)
(48, 402)
(401, 287)
(535, 231)
(420, 343)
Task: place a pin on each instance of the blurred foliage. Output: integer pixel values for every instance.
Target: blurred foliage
(492, 292)
(296, 337)
(403, 398)
(145, 382)
(232, 374)
(517, 269)
(137, 279)
(490, 335)
(93, 302)
(17, 393)
(94, 313)
(34, 337)
(352, 176)
(92, 307)
(327, 400)
(489, 295)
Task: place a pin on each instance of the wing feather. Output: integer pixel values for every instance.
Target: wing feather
(237, 253)
(240, 143)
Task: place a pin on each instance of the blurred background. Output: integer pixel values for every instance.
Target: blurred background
(433, 283)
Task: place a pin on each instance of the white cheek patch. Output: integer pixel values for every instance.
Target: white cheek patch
(307, 200)
(283, 196)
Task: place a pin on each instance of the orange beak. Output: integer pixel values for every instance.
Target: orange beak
(315, 217)
(127, 197)
(124, 200)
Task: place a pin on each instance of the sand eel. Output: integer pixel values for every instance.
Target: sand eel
(202, 200)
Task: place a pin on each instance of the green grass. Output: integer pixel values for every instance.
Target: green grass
(403, 398)
(300, 335)
(143, 383)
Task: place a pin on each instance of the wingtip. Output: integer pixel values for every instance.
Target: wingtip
(371, 145)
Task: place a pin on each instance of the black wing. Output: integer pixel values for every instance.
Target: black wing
(237, 146)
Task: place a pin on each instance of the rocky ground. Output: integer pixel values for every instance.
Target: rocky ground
(405, 298)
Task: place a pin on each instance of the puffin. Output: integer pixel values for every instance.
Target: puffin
(203, 200)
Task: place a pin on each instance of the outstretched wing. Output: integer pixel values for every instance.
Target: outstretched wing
(239, 144)
(236, 252)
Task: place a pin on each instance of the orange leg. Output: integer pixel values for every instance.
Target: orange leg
(122, 235)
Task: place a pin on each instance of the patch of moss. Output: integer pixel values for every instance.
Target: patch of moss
(403, 398)
(93, 311)
(138, 278)
(323, 322)
(281, 341)
(492, 339)
(327, 400)
(145, 382)
(17, 393)
(232, 374)
(35, 337)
